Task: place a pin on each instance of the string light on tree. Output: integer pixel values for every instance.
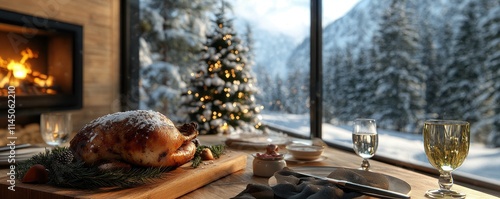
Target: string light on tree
(220, 95)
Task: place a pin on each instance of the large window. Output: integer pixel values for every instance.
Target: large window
(399, 62)
(403, 62)
(172, 43)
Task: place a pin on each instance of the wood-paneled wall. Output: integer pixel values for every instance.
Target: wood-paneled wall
(101, 33)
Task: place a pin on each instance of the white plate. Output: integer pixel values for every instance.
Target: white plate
(242, 141)
(395, 184)
(20, 155)
(24, 151)
(290, 158)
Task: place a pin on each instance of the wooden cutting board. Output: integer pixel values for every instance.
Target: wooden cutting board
(174, 184)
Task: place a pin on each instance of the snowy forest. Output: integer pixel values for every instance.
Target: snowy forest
(400, 62)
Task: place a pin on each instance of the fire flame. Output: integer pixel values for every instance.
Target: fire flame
(19, 71)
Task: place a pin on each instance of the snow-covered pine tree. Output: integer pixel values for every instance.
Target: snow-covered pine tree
(462, 72)
(248, 38)
(490, 109)
(364, 84)
(443, 39)
(297, 100)
(272, 91)
(220, 97)
(173, 28)
(278, 94)
(297, 82)
(170, 33)
(344, 94)
(330, 86)
(428, 57)
(400, 96)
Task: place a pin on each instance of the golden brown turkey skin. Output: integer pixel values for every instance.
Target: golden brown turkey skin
(143, 138)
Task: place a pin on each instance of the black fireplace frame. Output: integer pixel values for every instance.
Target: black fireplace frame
(35, 105)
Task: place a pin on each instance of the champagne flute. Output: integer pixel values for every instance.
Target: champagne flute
(365, 140)
(446, 144)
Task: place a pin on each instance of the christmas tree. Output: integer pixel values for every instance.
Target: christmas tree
(220, 97)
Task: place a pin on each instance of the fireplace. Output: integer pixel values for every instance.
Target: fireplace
(41, 63)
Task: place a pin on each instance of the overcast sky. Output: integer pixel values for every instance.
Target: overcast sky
(290, 17)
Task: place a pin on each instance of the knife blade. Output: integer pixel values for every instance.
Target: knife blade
(361, 188)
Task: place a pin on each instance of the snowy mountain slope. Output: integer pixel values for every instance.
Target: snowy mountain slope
(435, 46)
(356, 28)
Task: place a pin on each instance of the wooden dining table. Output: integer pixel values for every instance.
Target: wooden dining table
(234, 182)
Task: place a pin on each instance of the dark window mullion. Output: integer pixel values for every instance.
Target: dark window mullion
(316, 68)
(129, 55)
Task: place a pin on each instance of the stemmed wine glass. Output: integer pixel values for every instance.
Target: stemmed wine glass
(446, 144)
(55, 128)
(365, 140)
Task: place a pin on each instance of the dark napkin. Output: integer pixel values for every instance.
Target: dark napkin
(292, 185)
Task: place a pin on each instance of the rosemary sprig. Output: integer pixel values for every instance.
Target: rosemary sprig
(77, 175)
(217, 151)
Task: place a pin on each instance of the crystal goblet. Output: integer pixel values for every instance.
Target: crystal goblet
(446, 144)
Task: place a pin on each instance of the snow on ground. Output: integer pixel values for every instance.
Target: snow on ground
(481, 163)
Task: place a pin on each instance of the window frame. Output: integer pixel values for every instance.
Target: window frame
(129, 55)
(316, 79)
(316, 117)
(129, 67)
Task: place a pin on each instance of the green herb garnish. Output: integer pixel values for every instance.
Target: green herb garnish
(64, 171)
(217, 151)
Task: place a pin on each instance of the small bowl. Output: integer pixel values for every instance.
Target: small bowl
(305, 152)
(268, 166)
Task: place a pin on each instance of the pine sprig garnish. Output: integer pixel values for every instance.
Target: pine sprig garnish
(93, 177)
(75, 174)
(217, 151)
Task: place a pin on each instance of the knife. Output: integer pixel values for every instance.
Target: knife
(364, 189)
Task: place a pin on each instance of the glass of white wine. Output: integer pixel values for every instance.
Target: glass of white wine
(365, 140)
(446, 144)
